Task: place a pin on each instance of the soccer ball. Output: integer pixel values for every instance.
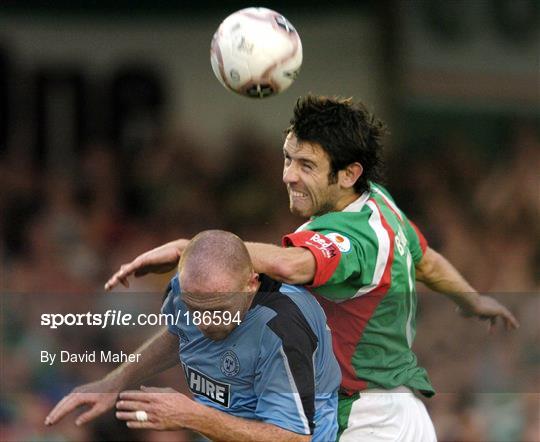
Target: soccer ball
(256, 52)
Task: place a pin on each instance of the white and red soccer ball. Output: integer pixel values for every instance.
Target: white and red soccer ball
(256, 52)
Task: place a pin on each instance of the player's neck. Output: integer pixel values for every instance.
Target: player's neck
(345, 200)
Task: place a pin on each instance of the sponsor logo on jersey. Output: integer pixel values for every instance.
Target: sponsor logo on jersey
(321, 243)
(230, 365)
(342, 242)
(199, 383)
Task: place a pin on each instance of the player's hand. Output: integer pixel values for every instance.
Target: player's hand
(162, 259)
(100, 396)
(166, 408)
(489, 309)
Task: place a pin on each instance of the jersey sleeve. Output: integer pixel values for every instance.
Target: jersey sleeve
(336, 254)
(284, 378)
(417, 242)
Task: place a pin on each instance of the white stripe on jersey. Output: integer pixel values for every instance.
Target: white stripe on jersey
(389, 202)
(357, 204)
(295, 393)
(408, 327)
(383, 251)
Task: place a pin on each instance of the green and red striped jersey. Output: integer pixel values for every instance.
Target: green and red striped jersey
(365, 281)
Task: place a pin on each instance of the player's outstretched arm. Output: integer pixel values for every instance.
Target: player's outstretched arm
(292, 265)
(440, 275)
(167, 409)
(162, 259)
(157, 354)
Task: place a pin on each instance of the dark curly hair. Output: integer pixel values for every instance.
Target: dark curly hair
(346, 131)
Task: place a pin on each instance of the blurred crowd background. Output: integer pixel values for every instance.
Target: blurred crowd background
(115, 138)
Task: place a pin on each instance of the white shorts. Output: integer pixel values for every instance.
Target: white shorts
(388, 415)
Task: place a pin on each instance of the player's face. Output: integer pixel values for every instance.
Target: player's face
(218, 312)
(306, 172)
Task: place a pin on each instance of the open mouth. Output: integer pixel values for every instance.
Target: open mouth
(297, 194)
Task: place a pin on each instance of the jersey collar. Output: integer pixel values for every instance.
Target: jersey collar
(358, 203)
(355, 206)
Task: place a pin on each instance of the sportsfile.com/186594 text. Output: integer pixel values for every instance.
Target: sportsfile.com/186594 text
(119, 318)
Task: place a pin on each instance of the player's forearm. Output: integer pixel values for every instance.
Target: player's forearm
(440, 275)
(170, 252)
(157, 354)
(223, 427)
(265, 258)
(179, 244)
(293, 265)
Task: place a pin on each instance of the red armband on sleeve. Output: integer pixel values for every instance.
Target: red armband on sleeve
(421, 238)
(326, 253)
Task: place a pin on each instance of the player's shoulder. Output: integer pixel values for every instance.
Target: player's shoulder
(278, 296)
(173, 290)
(348, 229)
(377, 189)
(290, 307)
(172, 298)
(384, 199)
(301, 297)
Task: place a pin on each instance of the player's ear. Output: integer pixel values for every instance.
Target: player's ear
(253, 279)
(349, 176)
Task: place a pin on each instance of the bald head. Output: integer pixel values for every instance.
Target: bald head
(217, 277)
(215, 261)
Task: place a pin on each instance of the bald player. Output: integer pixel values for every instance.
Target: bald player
(256, 353)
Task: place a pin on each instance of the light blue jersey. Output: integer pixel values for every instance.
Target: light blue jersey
(277, 366)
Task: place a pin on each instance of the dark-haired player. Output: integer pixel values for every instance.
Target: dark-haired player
(360, 256)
